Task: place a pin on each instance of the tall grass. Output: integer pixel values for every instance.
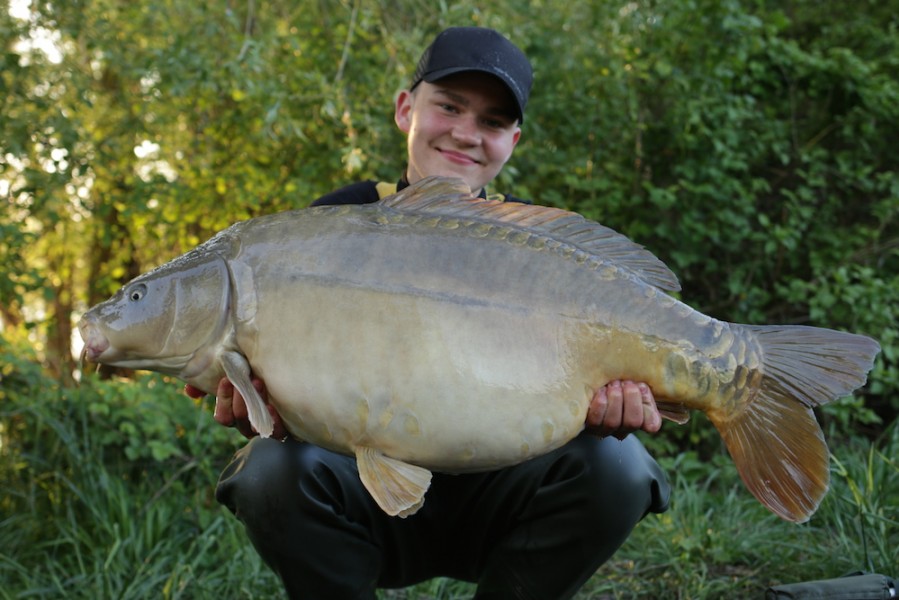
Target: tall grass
(117, 502)
(80, 519)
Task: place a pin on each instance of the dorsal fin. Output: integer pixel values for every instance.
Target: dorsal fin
(442, 195)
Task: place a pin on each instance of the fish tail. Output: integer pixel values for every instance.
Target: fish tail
(773, 436)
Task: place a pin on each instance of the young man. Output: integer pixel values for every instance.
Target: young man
(536, 530)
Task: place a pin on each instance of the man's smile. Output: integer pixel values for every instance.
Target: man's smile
(457, 157)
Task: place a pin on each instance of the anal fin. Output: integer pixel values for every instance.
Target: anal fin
(398, 487)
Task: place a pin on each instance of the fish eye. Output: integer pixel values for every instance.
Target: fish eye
(137, 292)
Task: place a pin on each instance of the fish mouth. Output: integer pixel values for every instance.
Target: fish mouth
(95, 343)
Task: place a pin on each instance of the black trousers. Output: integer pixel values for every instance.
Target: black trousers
(537, 530)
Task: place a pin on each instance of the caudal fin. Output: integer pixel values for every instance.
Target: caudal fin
(775, 440)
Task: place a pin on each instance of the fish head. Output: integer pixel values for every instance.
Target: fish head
(162, 320)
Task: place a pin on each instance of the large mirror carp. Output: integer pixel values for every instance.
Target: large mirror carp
(436, 331)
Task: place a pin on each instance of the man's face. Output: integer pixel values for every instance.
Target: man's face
(464, 125)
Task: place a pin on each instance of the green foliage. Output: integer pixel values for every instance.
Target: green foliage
(865, 510)
(114, 503)
(440, 588)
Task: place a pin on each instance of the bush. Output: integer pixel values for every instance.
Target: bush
(108, 492)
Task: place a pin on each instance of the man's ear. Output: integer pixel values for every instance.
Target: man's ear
(403, 111)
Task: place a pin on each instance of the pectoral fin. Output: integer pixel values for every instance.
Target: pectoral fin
(398, 487)
(677, 413)
(238, 371)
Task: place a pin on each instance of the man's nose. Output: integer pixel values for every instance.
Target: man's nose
(466, 131)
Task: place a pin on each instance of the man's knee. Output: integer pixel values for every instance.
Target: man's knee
(620, 473)
(267, 474)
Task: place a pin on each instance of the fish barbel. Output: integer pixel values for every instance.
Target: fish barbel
(436, 331)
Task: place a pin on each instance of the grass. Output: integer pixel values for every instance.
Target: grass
(88, 512)
(717, 541)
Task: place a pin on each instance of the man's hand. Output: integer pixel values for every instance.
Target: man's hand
(622, 407)
(231, 409)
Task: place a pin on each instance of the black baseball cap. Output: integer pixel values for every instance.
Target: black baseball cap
(459, 49)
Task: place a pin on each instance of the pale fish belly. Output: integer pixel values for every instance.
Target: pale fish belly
(451, 384)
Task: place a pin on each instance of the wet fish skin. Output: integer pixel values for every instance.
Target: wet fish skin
(432, 331)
